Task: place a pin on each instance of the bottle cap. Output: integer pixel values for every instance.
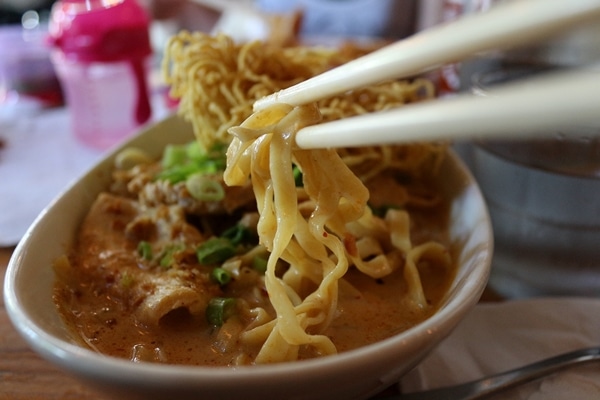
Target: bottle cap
(100, 30)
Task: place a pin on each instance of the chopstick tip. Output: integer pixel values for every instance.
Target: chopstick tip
(264, 102)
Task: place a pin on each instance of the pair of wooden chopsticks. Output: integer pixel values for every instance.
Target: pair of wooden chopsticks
(512, 110)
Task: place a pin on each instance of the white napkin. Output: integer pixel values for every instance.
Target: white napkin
(38, 158)
(497, 337)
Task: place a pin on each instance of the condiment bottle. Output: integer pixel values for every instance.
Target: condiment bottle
(102, 53)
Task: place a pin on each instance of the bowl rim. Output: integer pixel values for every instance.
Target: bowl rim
(78, 358)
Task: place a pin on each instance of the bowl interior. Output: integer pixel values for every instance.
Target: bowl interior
(28, 298)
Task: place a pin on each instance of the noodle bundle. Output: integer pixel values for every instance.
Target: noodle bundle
(327, 226)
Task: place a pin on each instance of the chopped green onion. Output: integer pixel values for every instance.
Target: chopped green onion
(193, 151)
(168, 256)
(297, 176)
(215, 251)
(177, 173)
(145, 250)
(218, 152)
(221, 276)
(173, 155)
(129, 157)
(167, 259)
(237, 234)
(260, 264)
(203, 188)
(219, 309)
(126, 280)
(181, 161)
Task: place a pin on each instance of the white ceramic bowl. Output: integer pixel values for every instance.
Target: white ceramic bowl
(355, 374)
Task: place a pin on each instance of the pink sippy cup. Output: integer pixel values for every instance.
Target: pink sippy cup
(102, 55)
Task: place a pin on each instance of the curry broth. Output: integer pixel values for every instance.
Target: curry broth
(369, 310)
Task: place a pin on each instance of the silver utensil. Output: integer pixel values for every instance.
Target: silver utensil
(494, 384)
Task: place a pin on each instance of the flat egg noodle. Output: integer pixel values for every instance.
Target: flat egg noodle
(304, 244)
(263, 150)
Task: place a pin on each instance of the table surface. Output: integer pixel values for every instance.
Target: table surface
(23, 374)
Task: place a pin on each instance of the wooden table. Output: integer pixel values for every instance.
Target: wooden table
(23, 374)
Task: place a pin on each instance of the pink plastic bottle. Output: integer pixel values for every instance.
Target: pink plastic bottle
(101, 55)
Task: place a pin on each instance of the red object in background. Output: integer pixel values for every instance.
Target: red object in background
(448, 77)
(26, 71)
(49, 95)
(102, 31)
(102, 54)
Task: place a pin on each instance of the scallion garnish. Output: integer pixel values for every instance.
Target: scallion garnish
(145, 250)
(219, 309)
(126, 280)
(173, 155)
(297, 176)
(168, 256)
(215, 251)
(203, 188)
(129, 157)
(260, 264)
(237, 234)
(181, 161)
(220, 276)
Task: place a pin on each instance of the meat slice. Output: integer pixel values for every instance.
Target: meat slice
(107, 254)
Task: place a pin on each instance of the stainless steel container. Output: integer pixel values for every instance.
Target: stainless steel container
(544, 199)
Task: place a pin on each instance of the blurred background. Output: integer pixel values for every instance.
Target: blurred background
(12, 10)
(24, 23)
(26, 73)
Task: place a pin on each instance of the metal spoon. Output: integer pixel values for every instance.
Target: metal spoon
(494, 384)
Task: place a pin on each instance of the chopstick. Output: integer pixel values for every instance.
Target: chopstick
(506, 25)
(535, 107)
